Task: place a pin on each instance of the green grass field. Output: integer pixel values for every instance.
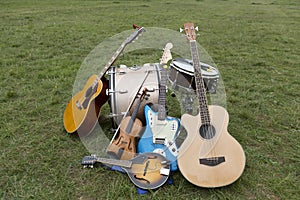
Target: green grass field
(255, 44)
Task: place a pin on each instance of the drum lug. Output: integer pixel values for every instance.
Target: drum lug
(122, 91)
(111, 115)
(135, 68)
(109, 91)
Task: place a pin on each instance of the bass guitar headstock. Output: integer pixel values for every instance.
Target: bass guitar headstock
(190, 31)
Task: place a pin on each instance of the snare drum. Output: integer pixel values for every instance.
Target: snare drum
(181, 75)
(124, 83)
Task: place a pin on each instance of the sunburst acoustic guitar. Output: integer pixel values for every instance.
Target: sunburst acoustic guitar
(82, 111)
(209, 155)
(147, 170)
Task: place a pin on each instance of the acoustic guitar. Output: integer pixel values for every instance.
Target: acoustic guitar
(161, 130)
(146, 171)
(124, 146)
(209, 156)
(82, 111)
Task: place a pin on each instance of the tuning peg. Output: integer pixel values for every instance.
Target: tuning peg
(181, 30)
(197, 28)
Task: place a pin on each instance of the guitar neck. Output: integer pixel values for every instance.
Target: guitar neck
(111, 61)
(120, 163)
(200, 87)
(133, 116)
(162, 94)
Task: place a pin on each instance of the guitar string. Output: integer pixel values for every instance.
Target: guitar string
(116, 54)
(201, 93)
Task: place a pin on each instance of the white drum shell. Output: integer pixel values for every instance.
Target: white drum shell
(124, 83)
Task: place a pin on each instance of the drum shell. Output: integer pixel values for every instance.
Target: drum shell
(124, 83)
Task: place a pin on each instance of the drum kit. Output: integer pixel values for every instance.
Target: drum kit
(148, 143)
(124, 83)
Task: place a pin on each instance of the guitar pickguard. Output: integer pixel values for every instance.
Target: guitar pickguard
(162, 130)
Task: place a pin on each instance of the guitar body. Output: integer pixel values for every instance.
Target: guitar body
(82, 111)
(149, 170)
(124, 146)
(168, 129)
(215, 161)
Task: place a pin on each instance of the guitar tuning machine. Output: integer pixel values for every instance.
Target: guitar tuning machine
(181, 29)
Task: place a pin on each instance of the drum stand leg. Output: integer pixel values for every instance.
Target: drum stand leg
(187, 103)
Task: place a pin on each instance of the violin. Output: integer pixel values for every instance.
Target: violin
(124, 146)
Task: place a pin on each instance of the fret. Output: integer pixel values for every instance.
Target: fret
(162, 113)
(111, 62)
(162, 95)
(121, 163)
(200, 87)
(133, 116)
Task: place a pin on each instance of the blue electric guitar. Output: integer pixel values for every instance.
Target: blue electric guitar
(161, 130)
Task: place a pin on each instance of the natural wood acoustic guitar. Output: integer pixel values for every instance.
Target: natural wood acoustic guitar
(209, 156)
(82, 111)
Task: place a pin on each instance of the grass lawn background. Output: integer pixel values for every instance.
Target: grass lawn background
(255, 44)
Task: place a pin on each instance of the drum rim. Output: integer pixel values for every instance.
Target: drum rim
(191, 73)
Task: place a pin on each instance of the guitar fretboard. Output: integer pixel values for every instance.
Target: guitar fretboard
(200, 87)
(120, 163)
(110, 62)
(133, 116)
(162, 95)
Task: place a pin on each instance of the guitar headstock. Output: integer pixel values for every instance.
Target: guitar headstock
(189, 30)
(133, 36)
(89, 161)
(166, 54)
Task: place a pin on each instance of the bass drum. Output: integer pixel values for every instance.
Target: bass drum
(124, 83)
(181, 75)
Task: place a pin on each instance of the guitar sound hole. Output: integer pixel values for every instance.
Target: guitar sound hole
(207, 131)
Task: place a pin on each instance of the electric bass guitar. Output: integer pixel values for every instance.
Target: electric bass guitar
(124, 146)
(82, 111)
(161, 130)
(209, 156)
(146, 171)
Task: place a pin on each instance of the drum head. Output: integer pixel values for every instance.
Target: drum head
(186, 66)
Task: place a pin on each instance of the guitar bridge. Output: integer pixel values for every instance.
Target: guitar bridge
(213, 161)
(79, 106)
